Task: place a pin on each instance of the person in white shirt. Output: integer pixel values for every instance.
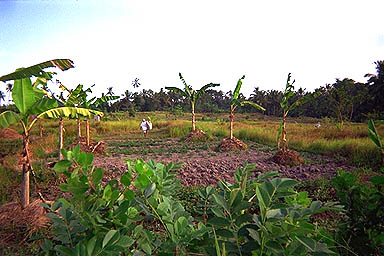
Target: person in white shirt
(144, 126)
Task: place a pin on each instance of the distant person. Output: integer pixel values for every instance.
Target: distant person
(145, 127)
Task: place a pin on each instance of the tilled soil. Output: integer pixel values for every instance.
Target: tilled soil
(207, 167)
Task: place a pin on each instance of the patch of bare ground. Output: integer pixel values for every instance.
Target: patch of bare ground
(196, 136)
(233, 144)
(94, 147)
(289, 157)
(206, 167)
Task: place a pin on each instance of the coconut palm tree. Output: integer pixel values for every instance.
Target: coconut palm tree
(191, 95)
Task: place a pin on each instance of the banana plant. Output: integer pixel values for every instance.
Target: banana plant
(32, 101)
(191, 95)
(376, 138)
(37, 70)
(92, 104)
(286, 107)
(236, 103)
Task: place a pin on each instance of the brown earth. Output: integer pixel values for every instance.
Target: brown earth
(206, 167)
(9, 134)
(233, 144)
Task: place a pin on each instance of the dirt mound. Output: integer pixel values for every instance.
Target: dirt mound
(9, 134)
(228, 144)
(27, 220)
(290, 157)
(196, 136)
(97, 148)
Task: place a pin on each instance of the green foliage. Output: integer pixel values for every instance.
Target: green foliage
(108, 218)
(364, 205)
(264, 216)
(140, 215)
(37, 70)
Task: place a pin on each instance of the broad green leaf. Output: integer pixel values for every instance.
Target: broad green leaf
(129, 195)
(105, 99)
(372, 134)
(23, 95)
(225, 233)
(204, 88)
(219, 222)
(235, 102)
(149, 190)
(8, 118)
(178, 91)
(221, 201)
(111, 237)
(236, 92)
(35, 70)
(42, 105)
(287, 183)
(307, 242)
(91, 245)
(253, 104)
(63, 250)
(97, 176)
(187, 88)
(125, 241)
(126, 179)
(71, 112)
(62, 166)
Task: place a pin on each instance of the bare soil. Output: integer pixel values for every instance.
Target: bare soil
(207, 167)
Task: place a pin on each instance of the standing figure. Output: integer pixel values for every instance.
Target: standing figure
(145, 127)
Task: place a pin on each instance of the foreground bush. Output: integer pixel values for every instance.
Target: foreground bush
(139, 215)
(363, 229)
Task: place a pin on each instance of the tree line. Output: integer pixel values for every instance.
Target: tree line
(344, 100)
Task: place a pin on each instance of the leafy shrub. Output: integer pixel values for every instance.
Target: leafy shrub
(135, 216)
(363, 229)
(140, 215)
(264, 216)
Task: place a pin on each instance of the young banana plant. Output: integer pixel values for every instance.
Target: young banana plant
(191, 95)
(32, 101)
(236, 103)
(376, 138)
(286, 107)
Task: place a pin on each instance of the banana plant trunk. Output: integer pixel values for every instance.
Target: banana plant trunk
(26, 169)
(193, 117)
(284, 134)
(78, 129)
(231, 124)
(61, 125)
(87, 131)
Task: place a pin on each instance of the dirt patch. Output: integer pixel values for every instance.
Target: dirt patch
(196, 136)
(9, 134)
(233, 144)
(98, 148)
(290, 157)
(206, 167)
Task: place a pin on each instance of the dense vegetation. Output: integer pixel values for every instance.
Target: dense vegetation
(145, 211)
(344, 100)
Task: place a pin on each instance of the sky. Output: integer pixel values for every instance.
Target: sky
(112, 42)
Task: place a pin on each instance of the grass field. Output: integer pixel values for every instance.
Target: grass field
(124, 137)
